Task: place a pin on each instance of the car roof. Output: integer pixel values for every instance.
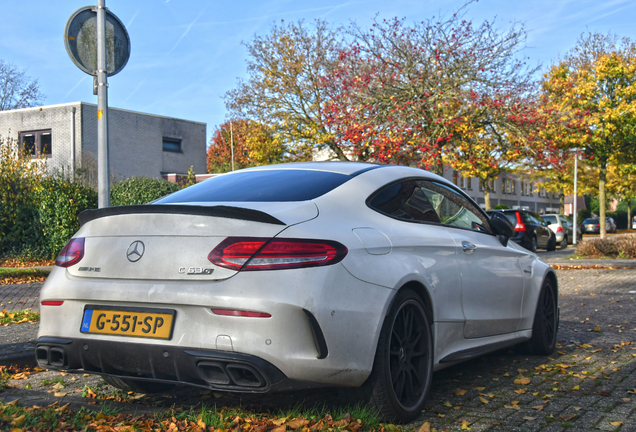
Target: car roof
(339, 167)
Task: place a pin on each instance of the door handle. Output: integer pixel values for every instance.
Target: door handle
(469, 248)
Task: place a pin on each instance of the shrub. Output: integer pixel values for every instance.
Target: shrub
(501, 207)
(620, 217)
(59, 203)
(583, 214)
(19, 178)
(622, 247)
(140, 190)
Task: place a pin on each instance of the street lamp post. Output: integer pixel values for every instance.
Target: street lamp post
(574, 200)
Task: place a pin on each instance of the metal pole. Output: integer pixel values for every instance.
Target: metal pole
(232, 144)
(575, 198)
(103, 166)
(72, 143)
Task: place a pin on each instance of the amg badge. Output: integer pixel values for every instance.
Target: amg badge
(195, 271)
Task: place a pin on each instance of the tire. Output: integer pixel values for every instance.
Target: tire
(551, 244)
(546, 321)
(564, 243)
(400, 381)
(533, 244)
(146, 387)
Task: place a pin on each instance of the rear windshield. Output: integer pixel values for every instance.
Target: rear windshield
(549, 218)
(512, 217)
(590, 221)
(260, 186)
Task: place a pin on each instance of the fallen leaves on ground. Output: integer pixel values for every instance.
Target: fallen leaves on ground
(19, 317)
(16, 263)
(22, 280)
(12, 415)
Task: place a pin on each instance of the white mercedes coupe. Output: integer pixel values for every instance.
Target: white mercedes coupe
(290, 276)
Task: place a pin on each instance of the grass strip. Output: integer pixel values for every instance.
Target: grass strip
(61, 417)
(18, 317)
(11, 276)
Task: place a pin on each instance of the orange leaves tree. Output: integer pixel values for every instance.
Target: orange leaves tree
(598, 77)
(283, 90)
(436, 93)
(253, 145)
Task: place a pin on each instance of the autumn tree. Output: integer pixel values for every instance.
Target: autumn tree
(564, 128)
(411, 93)
(621, 183)
(600, 73)
(17, 90)
(250, 142)
(284, 88)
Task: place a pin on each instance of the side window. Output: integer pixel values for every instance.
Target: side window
(406, 201)
(453, 208)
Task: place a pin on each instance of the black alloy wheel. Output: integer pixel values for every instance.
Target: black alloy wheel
(546, 322)
(552, 244)
(533, 244)
(401, 378)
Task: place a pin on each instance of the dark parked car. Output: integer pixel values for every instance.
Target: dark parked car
(593, 226)
(531, 231)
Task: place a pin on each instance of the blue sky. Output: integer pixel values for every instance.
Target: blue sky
(186, 54)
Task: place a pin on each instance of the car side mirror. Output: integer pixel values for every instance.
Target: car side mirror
(502, 227)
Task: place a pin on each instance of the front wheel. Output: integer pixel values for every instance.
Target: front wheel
(551, 243)
(546, 321)
(403, 367)
(564, 243)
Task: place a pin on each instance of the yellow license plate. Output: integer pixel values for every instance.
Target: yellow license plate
(137, 322)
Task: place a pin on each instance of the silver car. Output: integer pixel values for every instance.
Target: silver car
(563, 227)
(292, 276)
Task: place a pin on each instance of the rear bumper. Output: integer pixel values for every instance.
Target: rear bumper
(211, 369)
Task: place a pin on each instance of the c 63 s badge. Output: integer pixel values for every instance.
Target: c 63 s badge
(195, 271)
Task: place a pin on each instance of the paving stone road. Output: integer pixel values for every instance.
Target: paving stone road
(588, 384)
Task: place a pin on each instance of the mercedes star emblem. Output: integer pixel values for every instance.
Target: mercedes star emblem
(135, 251)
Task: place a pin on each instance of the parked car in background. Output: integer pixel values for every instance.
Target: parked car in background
(531, 231)
(291, 276)
(593, 226)
(563, 228)
(634, 223)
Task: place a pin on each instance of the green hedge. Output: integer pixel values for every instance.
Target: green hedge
(140, 190)
(59, 203)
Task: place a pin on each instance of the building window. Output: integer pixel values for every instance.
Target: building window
(492, 185)
(508, 186)
(457, 177)
(172, 145)
(36, 143)
(469, 183)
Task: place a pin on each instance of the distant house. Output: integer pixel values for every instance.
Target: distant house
(140, 144)
(512, 190)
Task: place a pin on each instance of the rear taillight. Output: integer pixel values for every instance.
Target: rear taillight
(72, 253)
(598, 225)
(252, 253)
(241, 313)
(52, 302)
(559, 230)
(520, 226)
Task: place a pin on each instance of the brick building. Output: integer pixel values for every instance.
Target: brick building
(139, 144)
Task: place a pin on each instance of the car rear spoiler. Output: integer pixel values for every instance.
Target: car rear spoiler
(214, 211)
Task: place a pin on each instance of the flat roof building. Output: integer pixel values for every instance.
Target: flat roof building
(140, 144)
